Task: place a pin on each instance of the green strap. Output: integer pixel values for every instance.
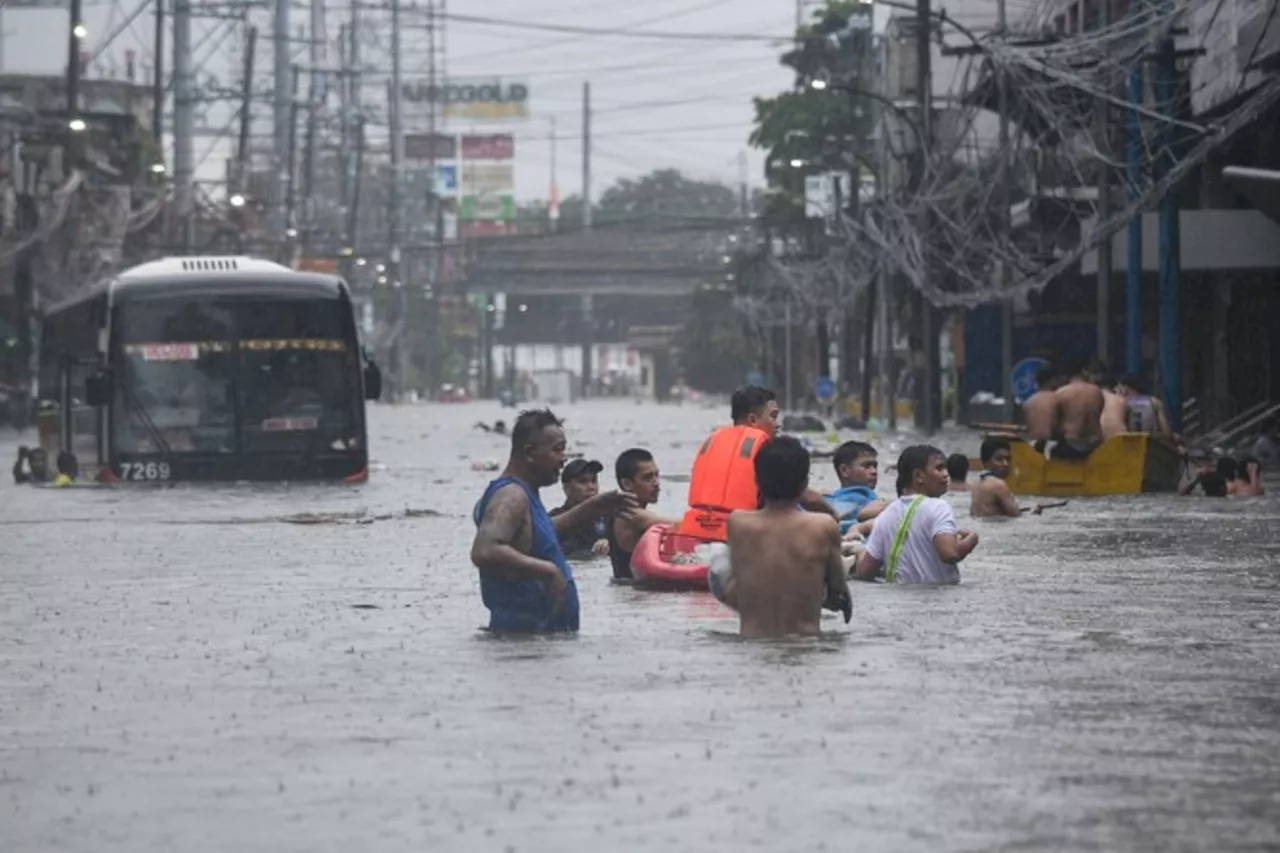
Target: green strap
(900, 540)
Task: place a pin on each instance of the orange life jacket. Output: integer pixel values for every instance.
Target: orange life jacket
(723, 480)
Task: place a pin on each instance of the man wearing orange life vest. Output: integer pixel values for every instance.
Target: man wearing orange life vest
(724, 475)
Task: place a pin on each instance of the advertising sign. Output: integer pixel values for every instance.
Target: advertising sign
(486, 229)
(494, 146)
(424, 146)
(488, 177)
(1023, 377)
(474, 98)
(446, 179)
(488, 207)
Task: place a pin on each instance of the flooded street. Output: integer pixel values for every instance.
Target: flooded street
(191, 669)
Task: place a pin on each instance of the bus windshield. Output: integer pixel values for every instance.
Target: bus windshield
(227, 376)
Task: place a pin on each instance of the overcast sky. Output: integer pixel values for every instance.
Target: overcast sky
(683, 104)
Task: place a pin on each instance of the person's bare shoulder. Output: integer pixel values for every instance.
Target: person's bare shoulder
(818, 524)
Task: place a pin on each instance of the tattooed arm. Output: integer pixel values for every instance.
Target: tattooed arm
(494, 547)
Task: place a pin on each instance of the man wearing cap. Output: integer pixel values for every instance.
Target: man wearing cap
(581, 481)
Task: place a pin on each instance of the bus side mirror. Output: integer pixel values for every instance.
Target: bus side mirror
(97, 389)
(372, 381)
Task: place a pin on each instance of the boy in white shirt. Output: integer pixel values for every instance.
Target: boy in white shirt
(915, 539)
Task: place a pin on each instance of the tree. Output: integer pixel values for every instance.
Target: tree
(666, 192)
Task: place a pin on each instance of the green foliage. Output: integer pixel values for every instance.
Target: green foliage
(712, 348)
(666, 192)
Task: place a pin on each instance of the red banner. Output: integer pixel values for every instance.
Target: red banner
(496, 146)
(485, 229)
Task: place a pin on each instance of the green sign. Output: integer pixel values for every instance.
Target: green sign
(488, 207)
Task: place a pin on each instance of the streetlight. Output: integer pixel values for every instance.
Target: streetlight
(79, 31)
(77, 125)
(797, 163)
(157, 168)
(236, 200)
(818, 83)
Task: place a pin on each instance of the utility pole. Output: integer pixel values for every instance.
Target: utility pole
(246, 109)
(1102, 141)
(76, 132)
(930, 418)
(157, 80)
(393, 220)
(1002, 199)
(587, 321)
(1133, 271)
(435, 209)
(291, 170)
(281, 113)
(586, 156)
(183, 119)
(1170, 243)
(553, 197)
(315, 97)
(744, 198)
(355, 168)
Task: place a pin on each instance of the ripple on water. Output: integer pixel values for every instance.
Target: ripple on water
(202, 668)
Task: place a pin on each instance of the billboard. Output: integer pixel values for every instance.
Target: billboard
(493, 146)
(446, 183)
(488, 206)
(473, 98)
(488, 177)
(425, 146)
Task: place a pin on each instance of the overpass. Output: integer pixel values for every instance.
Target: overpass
(632, 259)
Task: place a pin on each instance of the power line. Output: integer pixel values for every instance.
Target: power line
(619, 32)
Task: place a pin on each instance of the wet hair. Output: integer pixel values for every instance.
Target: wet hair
(67, 463)
(958, 467)
(913, 459)
(1214, 485)
(850, 452)
(748, 400)
(1045, 376)
(629, 462)
(1228, 468)
(1075, 367)
(1137, 384)
(529, 424)
(991, 447)
(1242, 468)
(782, 469)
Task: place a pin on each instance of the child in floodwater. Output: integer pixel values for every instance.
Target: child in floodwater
(786, 561)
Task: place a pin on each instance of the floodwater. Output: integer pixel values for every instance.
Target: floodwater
(183, 669)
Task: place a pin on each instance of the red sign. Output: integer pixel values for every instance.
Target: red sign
(496, 146)
(289, 424)
(170, 352)
(485, 229)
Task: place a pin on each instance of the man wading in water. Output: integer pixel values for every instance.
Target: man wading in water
(915, 540)
(525, 580)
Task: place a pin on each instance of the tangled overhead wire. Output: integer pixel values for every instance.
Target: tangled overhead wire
(1085, 111)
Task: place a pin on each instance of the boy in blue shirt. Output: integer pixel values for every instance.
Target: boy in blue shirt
(858, 467)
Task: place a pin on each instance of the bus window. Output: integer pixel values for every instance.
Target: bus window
(175, 390)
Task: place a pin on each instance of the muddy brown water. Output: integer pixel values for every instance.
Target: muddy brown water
(183, 669)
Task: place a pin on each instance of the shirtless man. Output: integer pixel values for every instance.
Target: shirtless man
(1115, 408)
(525, 580)
(991, 495)
(1040, 410)
(786, 562)
(1079, 416)
(638, 476)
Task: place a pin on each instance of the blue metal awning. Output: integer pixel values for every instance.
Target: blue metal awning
(1260, 186)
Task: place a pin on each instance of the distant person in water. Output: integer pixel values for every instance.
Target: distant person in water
(1079, 416)
(1040, 410)
(915, 540)
(637, 475)
(498, 428)
(858, 469)
(525, 580)
(31, 466)
(1249, 478)
(1115, 407)
(786, 562)
(958, 473)
(68, 468)
(991, 495)
(580, 480)
(1209, 479)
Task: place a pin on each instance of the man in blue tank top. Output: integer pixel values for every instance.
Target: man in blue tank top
(525, 580)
